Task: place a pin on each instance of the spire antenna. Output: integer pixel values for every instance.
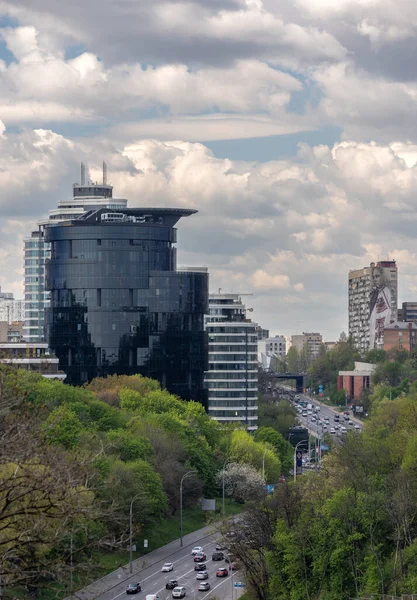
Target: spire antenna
(104, 173)
(82, 173)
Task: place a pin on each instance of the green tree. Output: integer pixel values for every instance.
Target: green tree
(282, 447)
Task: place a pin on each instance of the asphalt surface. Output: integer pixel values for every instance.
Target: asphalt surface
(153, 581)
(326, 411)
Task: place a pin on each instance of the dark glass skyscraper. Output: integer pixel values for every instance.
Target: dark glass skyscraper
(118, 304)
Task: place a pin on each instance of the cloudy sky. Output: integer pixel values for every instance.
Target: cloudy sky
(291, 126)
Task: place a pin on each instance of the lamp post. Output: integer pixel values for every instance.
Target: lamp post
(295, 458)
(130, 532)
(187, 474)
(228, 460)
(263, 464)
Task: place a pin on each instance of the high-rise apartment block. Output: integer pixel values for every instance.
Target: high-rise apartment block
(86, 195)
(310, 342)
(232, 376)
(373, 293)
(118, 303)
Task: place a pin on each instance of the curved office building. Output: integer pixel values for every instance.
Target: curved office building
(118, 304)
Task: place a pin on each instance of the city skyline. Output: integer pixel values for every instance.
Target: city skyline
(286, 127)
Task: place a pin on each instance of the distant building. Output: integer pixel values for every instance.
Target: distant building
(11, 309)
(262, 333)
(34, 357)
(373, 293)
(11, 332)
(232, 376)
(309, 341)
(356, 381)
(408, 312)
(400, 336)
(269, 349)
(330, 345)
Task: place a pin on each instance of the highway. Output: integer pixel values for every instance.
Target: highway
(316, 421)
(153, 580)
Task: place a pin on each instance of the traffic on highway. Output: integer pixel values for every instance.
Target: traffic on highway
(200, 572)
(321, 419)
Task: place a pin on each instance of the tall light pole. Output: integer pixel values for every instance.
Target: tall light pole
(228, 460)
(263, 464)
(187, 474)
(130, 532)
(295, 457)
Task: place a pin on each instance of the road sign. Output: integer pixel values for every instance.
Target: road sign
(239, 584)
(299, 458)
(145, 543)
(269, 488)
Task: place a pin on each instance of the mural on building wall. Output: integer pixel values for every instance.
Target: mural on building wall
(383, 293)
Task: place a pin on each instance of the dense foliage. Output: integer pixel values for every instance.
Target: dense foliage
(73, 459)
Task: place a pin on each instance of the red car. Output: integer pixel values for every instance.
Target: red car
(222, 572)
(200, 557)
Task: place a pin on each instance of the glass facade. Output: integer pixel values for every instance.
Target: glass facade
(118, 304)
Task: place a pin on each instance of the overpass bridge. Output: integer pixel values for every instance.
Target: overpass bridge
(299, 378)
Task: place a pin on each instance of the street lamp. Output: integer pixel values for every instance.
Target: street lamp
(130, 531)
(263, 464)
(228, 460)
(295, 458)
(187, 474)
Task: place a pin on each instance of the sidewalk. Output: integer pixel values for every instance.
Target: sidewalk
(105, 584)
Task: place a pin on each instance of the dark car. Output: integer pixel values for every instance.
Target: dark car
(204, 586)
(200, 557)
(200, 567)
(217, 556)
(133, 588)
(171, 584)
(222, 572)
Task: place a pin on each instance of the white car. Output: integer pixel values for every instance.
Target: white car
(197, 550)
(332, 430)
(167, 567)
(357, 427)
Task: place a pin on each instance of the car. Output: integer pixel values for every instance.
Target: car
(200, 557)
(337, 427)
(313, 419)
(343, 429)
(350, 422)
(326, 419)
(197, 550)
(332, 430)
(220, 546)
(217, 556)
(171, 584)
(204, 587)
(325, 426)
(357, 426)
(222, 572)
(133, 588)
(179, 592)
(167, 567)
(202, 575)
(200, 567)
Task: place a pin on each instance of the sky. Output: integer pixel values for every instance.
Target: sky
(290, 126)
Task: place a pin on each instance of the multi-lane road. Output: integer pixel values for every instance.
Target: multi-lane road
(317, 425)
(153, 581)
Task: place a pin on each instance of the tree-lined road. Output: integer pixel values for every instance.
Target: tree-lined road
(153, 581)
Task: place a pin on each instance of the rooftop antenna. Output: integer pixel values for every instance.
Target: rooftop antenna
(82, 173)
(104, 173)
